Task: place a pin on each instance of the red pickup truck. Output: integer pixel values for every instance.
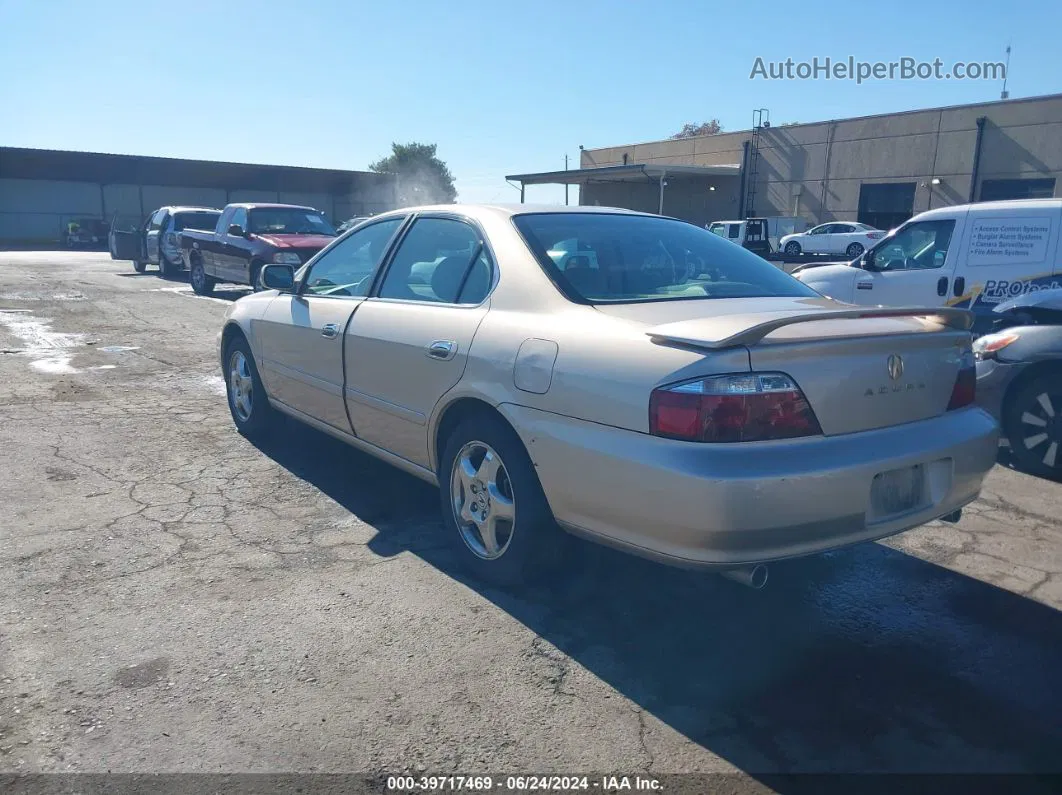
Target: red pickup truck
(249, 236)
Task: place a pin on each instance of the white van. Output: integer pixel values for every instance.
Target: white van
(971, 256)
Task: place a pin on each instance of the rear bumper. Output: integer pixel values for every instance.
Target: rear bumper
(993, 380)
(722, 505)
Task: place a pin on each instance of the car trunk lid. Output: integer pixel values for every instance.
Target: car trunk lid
(859, 369)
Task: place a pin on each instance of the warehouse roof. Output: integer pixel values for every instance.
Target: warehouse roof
(104, 168)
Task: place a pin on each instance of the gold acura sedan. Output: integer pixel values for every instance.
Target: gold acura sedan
(629, 378)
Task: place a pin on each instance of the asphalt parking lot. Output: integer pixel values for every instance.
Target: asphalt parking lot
(176, 599)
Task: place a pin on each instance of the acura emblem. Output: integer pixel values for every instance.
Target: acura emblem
(895, 365)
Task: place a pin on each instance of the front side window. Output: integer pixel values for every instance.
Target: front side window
(347, 268)
(443, 260)
(918, 246)
(239, 218)
(820, 230)
(718, 229)
(735, 231)
(648, 258)
(289, 221)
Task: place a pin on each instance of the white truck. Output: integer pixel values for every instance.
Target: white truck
(746, 233)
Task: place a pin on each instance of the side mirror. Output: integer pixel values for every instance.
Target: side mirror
(236, 230)
(278, 277)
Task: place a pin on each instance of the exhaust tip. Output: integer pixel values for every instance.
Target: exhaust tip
(754, 576)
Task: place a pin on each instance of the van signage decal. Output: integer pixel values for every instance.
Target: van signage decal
(997, 290)
(998, 241)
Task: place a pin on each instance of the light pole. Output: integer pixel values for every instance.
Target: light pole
(566, 184)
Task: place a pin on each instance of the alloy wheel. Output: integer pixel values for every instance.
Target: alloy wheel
(241, 386)
(1041, 428)
(482, 500)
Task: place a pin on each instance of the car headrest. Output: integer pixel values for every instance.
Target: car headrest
(446, 280)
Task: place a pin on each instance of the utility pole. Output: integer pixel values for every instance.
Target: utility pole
(1006, 94)
(566, 184)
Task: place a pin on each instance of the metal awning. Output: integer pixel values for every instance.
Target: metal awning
(632, 172)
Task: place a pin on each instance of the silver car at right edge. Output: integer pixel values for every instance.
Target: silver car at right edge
(1019, 378)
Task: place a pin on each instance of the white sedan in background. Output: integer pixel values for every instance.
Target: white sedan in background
(850, 239)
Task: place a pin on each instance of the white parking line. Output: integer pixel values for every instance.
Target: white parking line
(187, 293)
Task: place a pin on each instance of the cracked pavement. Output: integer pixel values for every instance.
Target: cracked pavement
(176, 599)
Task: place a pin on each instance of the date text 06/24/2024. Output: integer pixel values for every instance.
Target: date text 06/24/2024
(522, 783)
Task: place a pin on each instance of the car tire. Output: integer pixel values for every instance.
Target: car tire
(792, 248)
(854, 250)
(139, 266)
(167, 270)
(1034, 433)
(197, 275)
(524, 547)
(246, 396)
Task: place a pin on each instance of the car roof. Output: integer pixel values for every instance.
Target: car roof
(271, 205)
(194, 210)
(477, 211)
(993, 207)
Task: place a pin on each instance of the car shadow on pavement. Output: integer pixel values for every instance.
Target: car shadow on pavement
(861, 660)
(230, 294)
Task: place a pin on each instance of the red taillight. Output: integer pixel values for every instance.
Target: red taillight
(965, 390)
(875, 235)
(732, 408)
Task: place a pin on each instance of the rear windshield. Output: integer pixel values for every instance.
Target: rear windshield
(289, 221)
(204, 221)
(614, 258)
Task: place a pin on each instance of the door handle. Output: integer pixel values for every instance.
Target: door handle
(330, 331)
(442, 349)
(942, 285)
(960, 285)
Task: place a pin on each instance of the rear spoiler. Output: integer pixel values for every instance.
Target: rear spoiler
(679, 333)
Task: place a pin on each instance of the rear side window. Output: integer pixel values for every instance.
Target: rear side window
(632, 258)
(202, 221)
(441, 260)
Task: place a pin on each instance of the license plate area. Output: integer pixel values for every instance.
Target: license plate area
(898, 491)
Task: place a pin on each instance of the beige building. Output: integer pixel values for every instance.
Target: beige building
(876, 169)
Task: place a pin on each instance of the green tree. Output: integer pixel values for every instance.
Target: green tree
(690, 130)
(422, 177)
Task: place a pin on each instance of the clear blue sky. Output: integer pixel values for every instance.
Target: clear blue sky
(501, 86)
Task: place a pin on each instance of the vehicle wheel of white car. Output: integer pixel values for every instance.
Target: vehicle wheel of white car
(167, 270)
(248, 403)
(792, 248)
(201, 283)
(139, 266)
(854, 250)
(493, 505)
(1032, 421)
